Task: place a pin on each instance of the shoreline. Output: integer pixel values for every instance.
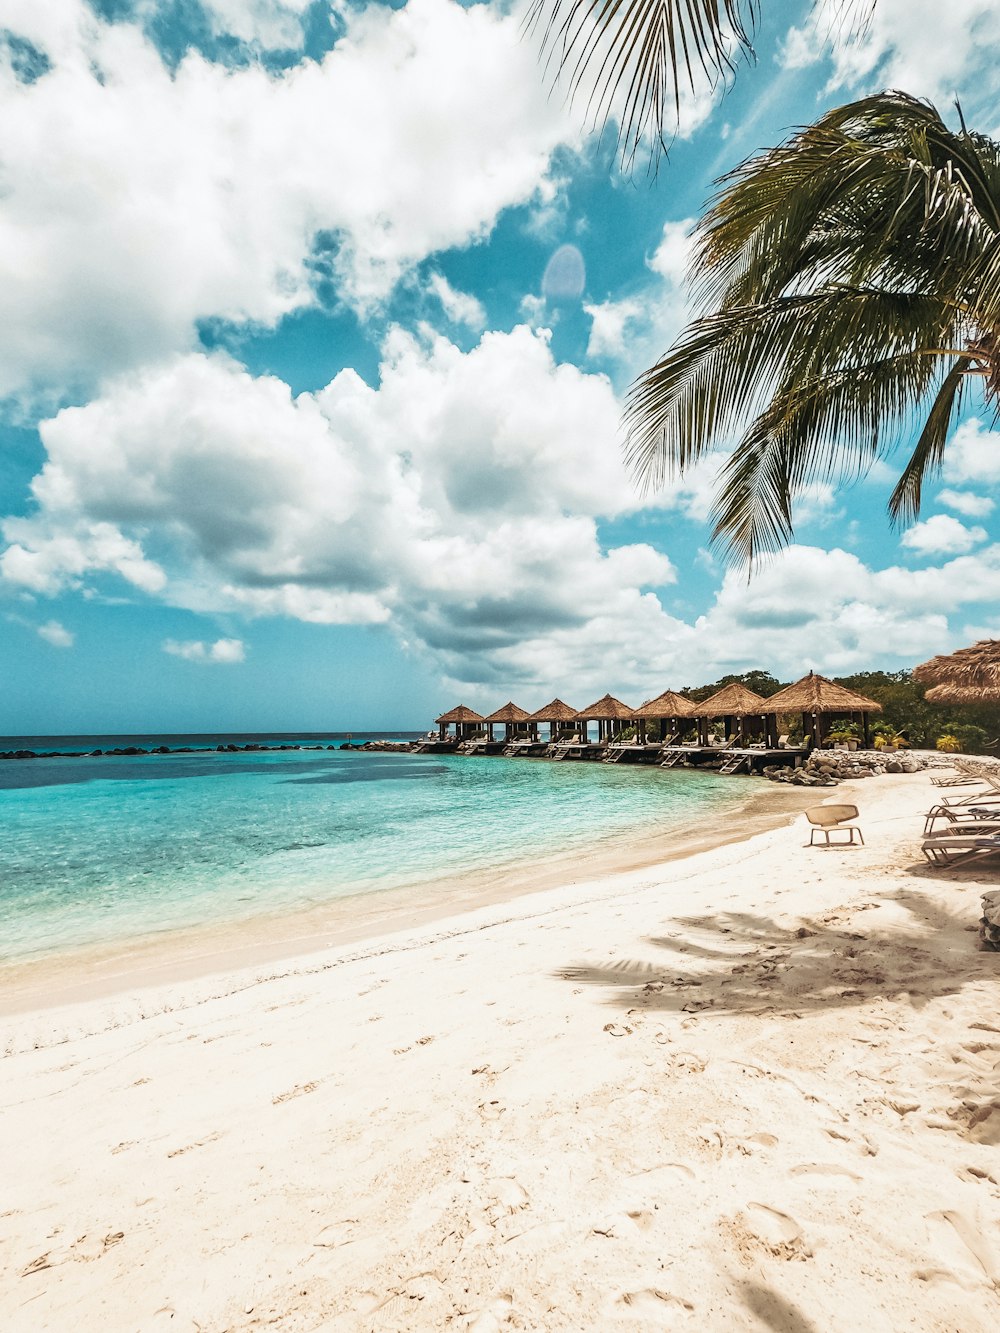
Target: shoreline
(186, 954)
(751, 1088)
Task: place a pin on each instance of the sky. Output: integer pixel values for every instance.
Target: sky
(315, 325)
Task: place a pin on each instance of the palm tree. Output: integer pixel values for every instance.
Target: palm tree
(850, 280)
(631, 58)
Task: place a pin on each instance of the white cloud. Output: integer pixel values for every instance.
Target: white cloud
(672, 256)
(457, 501)
(274, 25)
(635, 330)
(55, 634)
(972, 455)
(964, 502)
(610, 322)
(460, 307)
(919, 45)
(942, 535)
(224, 652)
(138, 201)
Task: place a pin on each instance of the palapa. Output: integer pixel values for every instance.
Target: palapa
(816, 694)
(509, 713)
(459, 714)
(969, 676)
(733, 700)
(607, 709)
(556, 711)
(667, 704)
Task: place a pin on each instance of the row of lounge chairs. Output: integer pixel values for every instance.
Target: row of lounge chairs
(958, 827)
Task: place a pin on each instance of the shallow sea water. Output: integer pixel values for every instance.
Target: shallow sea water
(100, 849)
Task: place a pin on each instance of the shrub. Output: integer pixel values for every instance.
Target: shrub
(949, 744)
(971, 739)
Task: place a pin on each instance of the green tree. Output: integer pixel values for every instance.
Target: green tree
(850, 280)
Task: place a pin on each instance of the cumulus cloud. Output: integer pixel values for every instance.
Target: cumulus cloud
(965, 502)
(274, 25)
(942, 535)
(56, 634)
(460, 307)
(972, 455)
(635, 330)
(223, 652)
(138, 200)
(911, 44)
(457, 501)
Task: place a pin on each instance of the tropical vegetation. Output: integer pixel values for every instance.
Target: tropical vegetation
(850, 282)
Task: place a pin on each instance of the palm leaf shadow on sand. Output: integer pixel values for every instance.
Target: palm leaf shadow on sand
(773, 1311)
(753, 964)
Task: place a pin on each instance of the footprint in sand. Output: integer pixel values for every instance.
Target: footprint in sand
(828, 1170)
(200, 1143)
(955, 1235)
(300, 1090)
(776, 1231)
(651, 1303)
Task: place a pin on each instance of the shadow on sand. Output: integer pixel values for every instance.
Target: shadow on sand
(847, 957)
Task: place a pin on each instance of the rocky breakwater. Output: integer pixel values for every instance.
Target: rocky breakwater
(825, 768)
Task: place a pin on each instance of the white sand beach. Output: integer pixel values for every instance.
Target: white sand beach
(757, 1088)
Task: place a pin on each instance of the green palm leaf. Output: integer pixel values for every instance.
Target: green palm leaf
(850, 286)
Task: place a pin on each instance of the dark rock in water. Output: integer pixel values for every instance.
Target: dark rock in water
(161, 749)
(24, 754)
(331, 747)
(94, 753)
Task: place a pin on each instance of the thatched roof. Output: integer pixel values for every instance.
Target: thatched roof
(607, 709)
(970, 676)
(509, 713)
(733, 700)
(816, 694)
(556, 711)
(459, 714)
(667, 704)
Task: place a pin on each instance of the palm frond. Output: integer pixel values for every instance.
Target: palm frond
(850, 281)
(904, 503)
(632, 57)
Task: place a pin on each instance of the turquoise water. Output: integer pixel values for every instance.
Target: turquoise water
(101, 849)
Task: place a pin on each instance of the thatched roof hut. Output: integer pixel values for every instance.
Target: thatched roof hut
(733, 700)
(816, 694)
(556, 711)
(819, 700)
(459, 714)
(609, 713)
(667, 704)
(509, 713)
(607, 709)
(514, 719)
(464, 720)
(735, 703)
(969, 676)
(558, 716)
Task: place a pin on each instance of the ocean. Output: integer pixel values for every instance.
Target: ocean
(101, 849)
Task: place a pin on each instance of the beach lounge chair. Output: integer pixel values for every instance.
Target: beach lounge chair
(827, 819)
(959, 816)
(947, 848)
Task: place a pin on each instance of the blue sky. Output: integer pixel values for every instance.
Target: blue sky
(315, 323)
